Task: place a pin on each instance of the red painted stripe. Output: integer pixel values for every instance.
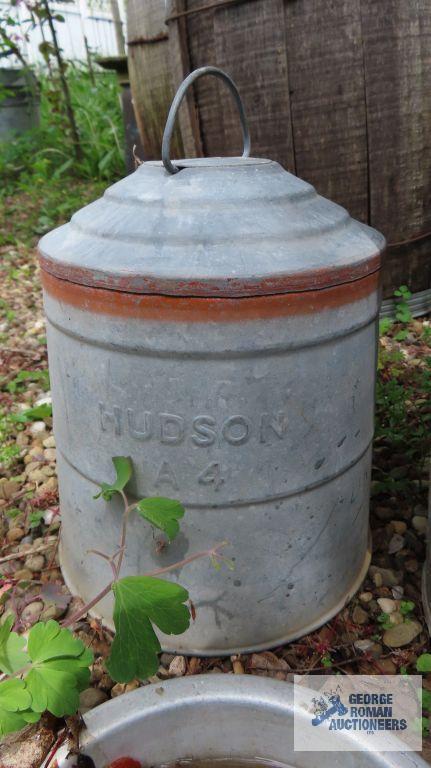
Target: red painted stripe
(201, 310)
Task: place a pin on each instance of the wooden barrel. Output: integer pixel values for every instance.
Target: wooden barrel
(150, 75)
(339, 93)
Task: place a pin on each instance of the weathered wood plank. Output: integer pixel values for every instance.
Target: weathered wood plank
(247, 41)
(397, 60)
(150, 76)
(179, 60)
(324, 54)
(250, 46)
(201, 45)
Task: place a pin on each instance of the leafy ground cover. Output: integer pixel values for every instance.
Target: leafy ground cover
(40, 158)
(382, 631)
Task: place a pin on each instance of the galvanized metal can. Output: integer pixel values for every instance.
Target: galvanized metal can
(209, 717)
(218, 325)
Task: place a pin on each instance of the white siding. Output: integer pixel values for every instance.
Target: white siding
(80, 18)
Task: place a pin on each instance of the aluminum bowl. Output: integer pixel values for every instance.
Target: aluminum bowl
(214, 716)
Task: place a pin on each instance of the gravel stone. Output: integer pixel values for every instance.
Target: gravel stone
(399, 526)
(37, 476)
(411, 565)
(388, 577)
(38, 429)
(23, 574)
(359, 616)
(118, 689)
(396, 543)
(8, 488)
(178, 666)
(31, 466)
(35, 563)
(383, 513)
(15, 534)
(31, 613)
(363, 645)
(52, 611)
(402, 634)
(396, 617)
(420, 524)
(387, 667)
(91, 698)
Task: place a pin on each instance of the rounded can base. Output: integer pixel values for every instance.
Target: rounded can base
(284, 639)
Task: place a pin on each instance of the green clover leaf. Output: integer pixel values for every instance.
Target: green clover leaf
(14, 696)
(15, 701)
(12, 655)
(59, 670)
(140, 602)
(162, 513)
(123, 469)
(14, 721)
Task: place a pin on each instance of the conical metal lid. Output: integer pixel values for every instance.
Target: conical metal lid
(212, 227)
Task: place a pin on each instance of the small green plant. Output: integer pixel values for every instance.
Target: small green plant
(406, 608)
(384, 620)
(38, 162)
(403, 414)
(48, 671)
(35, 518)
(402, 309)
(9, 450)
(45, 672)
(18, 384)
(423, 665)
(13, 512)
(39, 412)
(385, 326)
(403, 314)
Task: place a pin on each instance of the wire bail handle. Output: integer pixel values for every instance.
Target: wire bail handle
(179, 96)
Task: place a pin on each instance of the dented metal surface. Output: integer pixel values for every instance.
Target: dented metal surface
(254, 409)
(262, 429)
(219, 716)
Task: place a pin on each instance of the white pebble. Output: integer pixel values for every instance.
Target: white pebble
(387, 605)
(38, 428)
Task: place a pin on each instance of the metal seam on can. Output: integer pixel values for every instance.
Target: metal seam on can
(248, 502)
(223, 287)
(196, 309)
(225, 354)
